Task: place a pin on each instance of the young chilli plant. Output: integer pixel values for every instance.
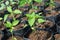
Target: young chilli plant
(11, 26)
(8, 24)
(32, 17)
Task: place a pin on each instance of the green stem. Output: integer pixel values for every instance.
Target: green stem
(13, 16)
(12, 32)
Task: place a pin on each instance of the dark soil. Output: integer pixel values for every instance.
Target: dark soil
(1, 25)
(40, 35)
(17, 37)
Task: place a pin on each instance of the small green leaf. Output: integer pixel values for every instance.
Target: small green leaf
(2, 6)
(1, 18)
(5, 17)
(31, 21)
(13, 3)
(17, 11)
(33, 14)
(8, 24)
(31, 18)
(41, 20)
(15, 22)
(37, 16)
(52, 3)
(39, 1)
(28, 15)
(7, 2)
(22, 3)
(9, 9)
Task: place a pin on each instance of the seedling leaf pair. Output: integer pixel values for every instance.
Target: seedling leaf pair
(17, 11)
(9, 8)
(41, 20)
(31, 18)
(10, 25)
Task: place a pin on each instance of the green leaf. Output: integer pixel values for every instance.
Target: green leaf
(7, 2)
(28, 15)
(13, 3)
(5, 17)
(37, 16)
(33, 14)
(31, 18)
(52, 3)
(38, 1)
(8, 24)
(15, 22)
(31, 21)
(22, 3)
(41, 20)
(17, 11)
(1, 18)
(2, 6)
(9, 9)
(29, 1)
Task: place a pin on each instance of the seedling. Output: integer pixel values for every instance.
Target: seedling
(32, 17)
(11, 26)
(7, 3)
(52, 3)
(12, 13)
(8, 24)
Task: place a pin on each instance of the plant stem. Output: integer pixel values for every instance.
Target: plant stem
(12, 16)
(12, 32)
(12, 35)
